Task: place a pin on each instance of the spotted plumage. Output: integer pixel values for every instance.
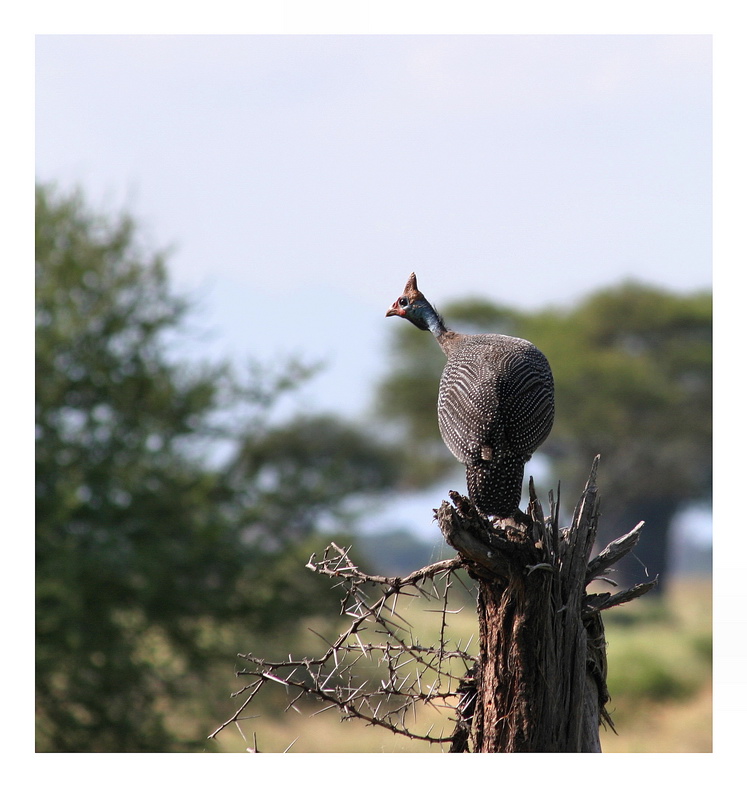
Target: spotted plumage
(495, 403)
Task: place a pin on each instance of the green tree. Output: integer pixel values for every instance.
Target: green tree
(632, 368)
(146, 542)
(635, 385)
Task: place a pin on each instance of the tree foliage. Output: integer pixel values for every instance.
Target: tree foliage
(145, 540)
(644, 356)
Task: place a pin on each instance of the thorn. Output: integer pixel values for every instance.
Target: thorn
(290, 745)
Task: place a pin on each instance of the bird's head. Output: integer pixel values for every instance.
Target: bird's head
(412, 305)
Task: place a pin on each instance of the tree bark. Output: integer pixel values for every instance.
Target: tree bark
(540, 685)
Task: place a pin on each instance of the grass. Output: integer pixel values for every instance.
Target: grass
(665, 727)
(660, 667)
(659, 677)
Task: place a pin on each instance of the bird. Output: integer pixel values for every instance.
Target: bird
(496, 403)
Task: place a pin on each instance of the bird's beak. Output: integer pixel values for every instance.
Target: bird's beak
(395, 309)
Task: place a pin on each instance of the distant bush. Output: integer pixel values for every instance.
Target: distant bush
(649, 676)
(658, 653)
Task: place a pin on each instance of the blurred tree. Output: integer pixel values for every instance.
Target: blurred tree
(635, 385)
(632, 368)
(144, 539)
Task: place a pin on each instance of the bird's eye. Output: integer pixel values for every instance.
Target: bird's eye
(403, 301)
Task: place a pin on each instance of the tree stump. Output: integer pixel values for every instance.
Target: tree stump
(540, 683)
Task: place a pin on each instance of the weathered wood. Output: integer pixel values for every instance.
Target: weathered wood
(540, 685)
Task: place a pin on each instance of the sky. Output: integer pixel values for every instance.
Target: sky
(297, 180)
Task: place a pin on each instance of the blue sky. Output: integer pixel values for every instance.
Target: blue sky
(299, 179)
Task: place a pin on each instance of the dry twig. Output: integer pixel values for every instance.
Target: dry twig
(403, 673)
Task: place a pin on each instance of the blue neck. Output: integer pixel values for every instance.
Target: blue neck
(434, 322)
(425, 317)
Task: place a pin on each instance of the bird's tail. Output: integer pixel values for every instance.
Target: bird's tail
(495, 486)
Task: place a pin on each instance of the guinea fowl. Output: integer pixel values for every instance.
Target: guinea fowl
(496, 403)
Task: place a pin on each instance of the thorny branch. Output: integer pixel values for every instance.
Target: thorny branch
(402, 673)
